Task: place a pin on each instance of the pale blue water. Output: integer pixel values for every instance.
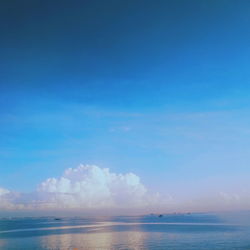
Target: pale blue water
(189, 231)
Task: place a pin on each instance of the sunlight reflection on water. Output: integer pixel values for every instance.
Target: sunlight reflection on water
(106, 240)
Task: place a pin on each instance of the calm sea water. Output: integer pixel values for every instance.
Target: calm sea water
(186, 231)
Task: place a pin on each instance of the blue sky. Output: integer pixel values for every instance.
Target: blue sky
(157, 88)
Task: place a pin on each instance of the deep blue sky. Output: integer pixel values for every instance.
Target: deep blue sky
(159, 88)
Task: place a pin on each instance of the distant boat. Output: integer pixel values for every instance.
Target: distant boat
(160, 216)
(57, 219)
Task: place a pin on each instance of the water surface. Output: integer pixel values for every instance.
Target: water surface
(174, 231)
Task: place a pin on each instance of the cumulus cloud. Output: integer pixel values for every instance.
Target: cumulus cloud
(87, 186)
(91, 188)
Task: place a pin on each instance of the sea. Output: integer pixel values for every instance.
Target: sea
(169, 231)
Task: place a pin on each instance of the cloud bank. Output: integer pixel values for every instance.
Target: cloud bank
(84, 187)
(89, 188)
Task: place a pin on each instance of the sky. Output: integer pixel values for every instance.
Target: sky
(151, 97)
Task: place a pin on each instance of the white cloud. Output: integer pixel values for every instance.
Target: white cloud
(85, 187)
(90, 186)
(6, 199)
(3, 192)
